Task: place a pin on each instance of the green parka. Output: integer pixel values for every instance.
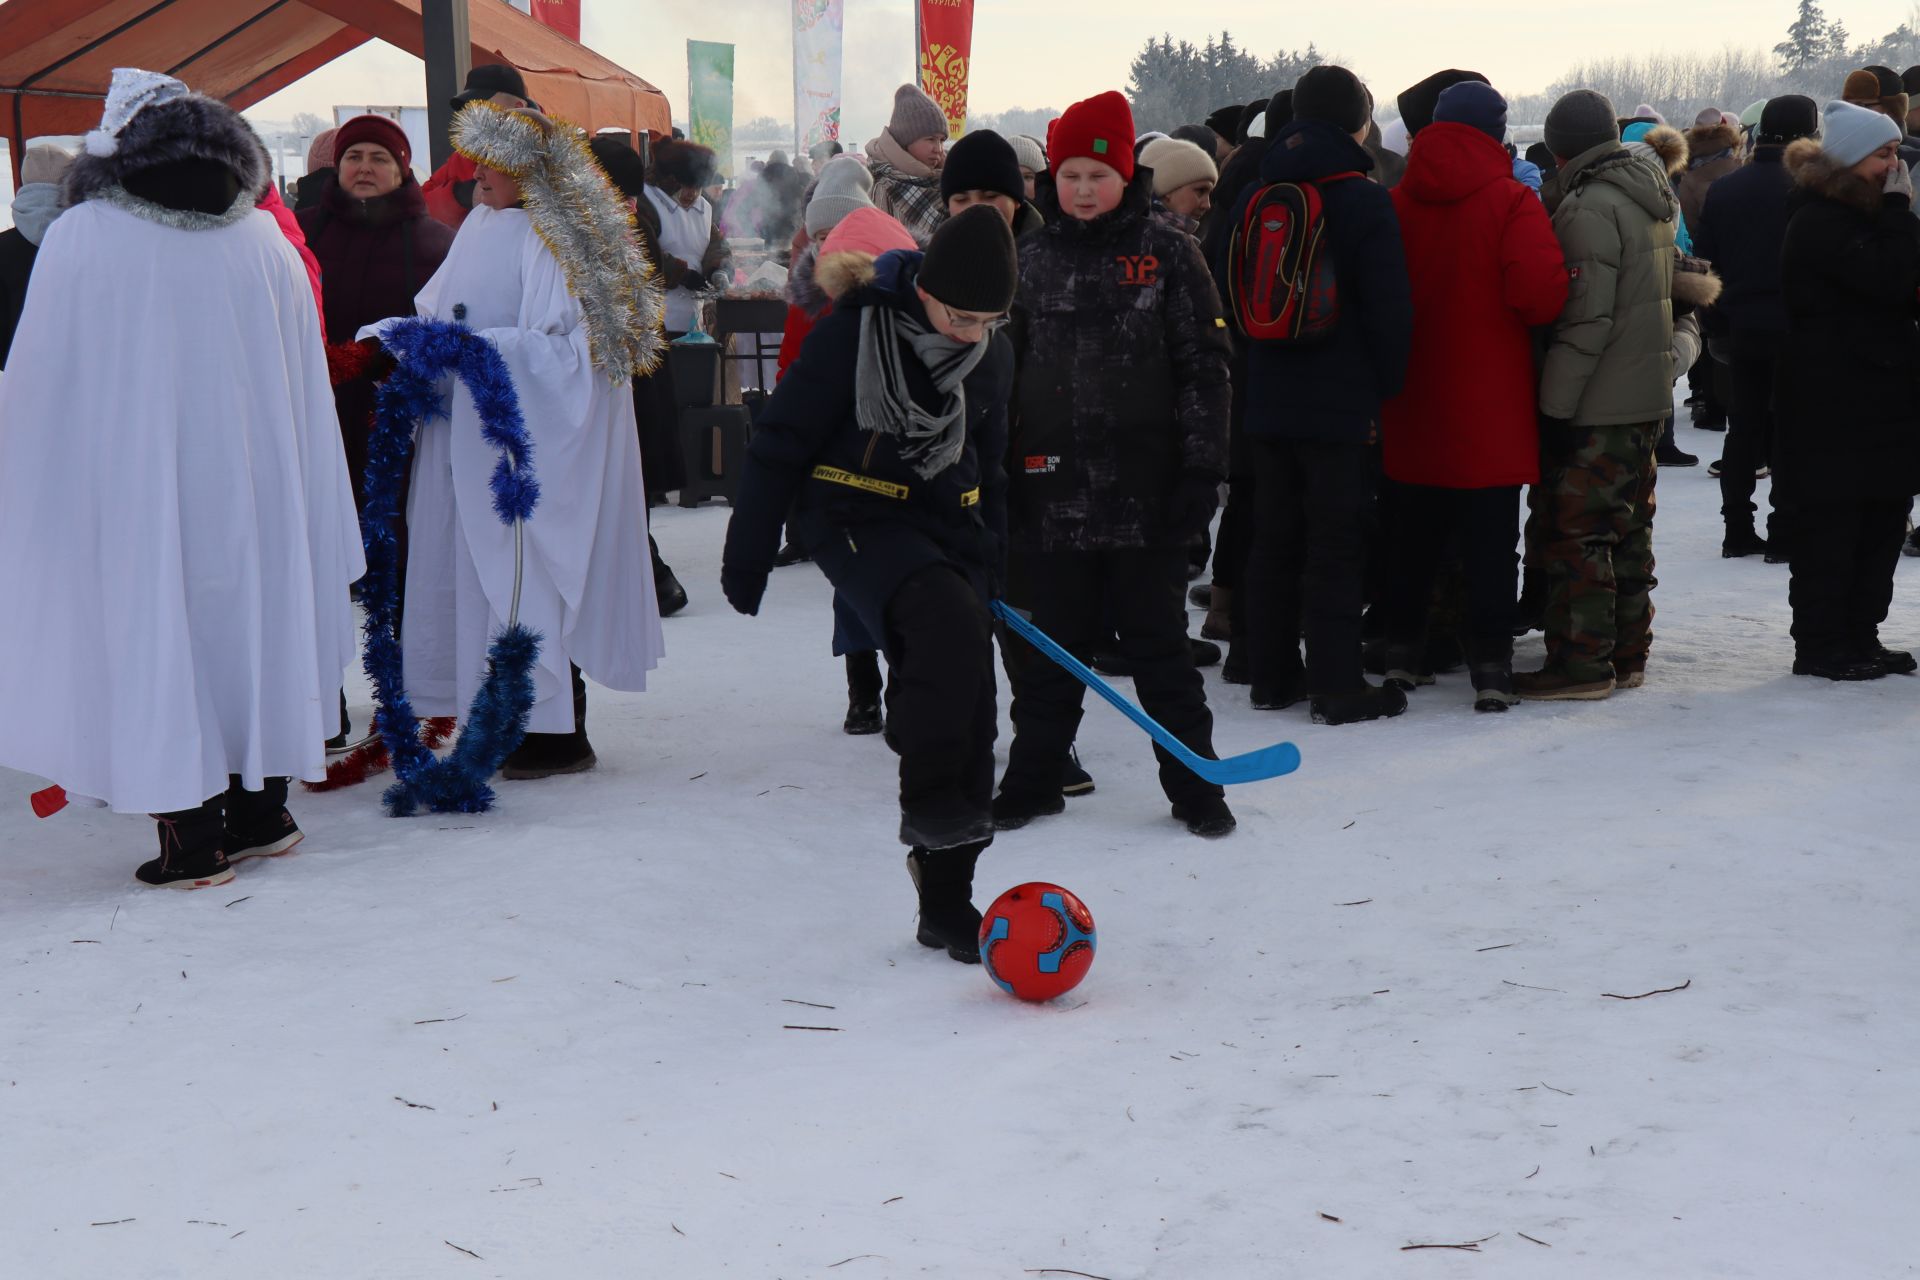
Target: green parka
(1610, 359)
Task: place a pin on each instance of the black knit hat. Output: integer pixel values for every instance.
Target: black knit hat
(1910, 81)
(983, 161)
(1279, 112)
(1417, 103)
(1332, 94)
(1226, 122)
(1787, 118)
(971, 264)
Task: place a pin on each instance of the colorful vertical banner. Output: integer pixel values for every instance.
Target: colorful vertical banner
(710, 99)
(817, 25)
(562, 15)
(945, 32)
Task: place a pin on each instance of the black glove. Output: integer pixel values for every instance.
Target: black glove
(1558, 436)
(743, 589)
(1191, 505)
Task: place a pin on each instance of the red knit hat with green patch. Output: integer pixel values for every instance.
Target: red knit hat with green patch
(1101, 128)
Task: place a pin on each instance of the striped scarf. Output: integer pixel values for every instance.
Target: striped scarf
(883, 403)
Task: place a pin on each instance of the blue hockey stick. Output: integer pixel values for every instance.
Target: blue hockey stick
(1269, 762)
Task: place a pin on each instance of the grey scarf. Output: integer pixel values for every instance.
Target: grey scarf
(883, 405)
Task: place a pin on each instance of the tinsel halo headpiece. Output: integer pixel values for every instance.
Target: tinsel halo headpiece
(584, 223)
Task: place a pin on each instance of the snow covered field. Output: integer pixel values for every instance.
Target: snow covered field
(556, 1040)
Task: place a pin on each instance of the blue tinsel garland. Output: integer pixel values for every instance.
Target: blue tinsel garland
(427, 350)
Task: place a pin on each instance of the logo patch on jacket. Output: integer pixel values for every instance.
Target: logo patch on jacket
(1143, 270)
(1042, 464)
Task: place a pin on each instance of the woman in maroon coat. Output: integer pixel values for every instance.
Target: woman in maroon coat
(1462, 438)
(377, 247)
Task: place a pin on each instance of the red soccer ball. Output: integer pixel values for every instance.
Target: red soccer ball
(1037, 941)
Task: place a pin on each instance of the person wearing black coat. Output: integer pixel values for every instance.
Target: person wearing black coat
(1847, 454)
(1118, 451)
(1742, 230)
(890, 430)
(1312, 409)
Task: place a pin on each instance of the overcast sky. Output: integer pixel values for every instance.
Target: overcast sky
(1048, 53)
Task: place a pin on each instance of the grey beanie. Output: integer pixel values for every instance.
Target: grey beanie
(1580, 122)
(915, 116)
(1029, 152)
(844, 185)
(1850, 134)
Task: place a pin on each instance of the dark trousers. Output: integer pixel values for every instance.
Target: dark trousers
(1844, 555)
(1708, 386)
(1484, 526)
(1075, 596)
(1234, 546)
(1309, 562)
(941, 711)
(1749, 441)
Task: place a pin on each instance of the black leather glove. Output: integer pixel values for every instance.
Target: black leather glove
(743, 589)
(1191, 505)
(1558, 436)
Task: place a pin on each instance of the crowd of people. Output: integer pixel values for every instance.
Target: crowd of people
(1015, 370)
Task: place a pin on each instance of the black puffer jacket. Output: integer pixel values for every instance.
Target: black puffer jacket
(1848, 389)
(1122, 350)
(810, 422)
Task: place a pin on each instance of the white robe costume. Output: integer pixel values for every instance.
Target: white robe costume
(587, 588)
(177, 532)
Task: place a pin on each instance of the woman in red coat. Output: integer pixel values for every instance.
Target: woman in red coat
(1462, 438)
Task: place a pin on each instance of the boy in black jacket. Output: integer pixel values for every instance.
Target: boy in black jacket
(890, 429)
(1313, 412)
(1119, 447)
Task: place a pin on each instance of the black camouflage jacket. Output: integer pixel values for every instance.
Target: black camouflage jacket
(1121, 344)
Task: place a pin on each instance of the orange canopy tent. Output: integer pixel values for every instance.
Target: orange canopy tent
(57, 56)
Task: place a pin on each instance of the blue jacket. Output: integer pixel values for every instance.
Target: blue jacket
(1333, 389)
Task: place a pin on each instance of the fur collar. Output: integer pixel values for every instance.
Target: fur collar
(179, 219)
(839, 274)
(803, 288)
(189, 128)
(1819, 174)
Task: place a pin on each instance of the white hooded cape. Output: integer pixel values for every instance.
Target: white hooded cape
(587, 587)
(177, 523)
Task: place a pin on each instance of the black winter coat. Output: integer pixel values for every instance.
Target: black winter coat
(1122, 349)
(16, 266)
(1332, 389)
(1741, 231)
(1847, 413)
(869, 543)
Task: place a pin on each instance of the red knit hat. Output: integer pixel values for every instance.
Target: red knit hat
(1101, 128)
(378, 130)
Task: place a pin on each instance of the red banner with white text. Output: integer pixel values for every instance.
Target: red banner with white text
(562, 15)
(946, 43)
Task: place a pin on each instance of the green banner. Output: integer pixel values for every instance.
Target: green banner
(710, 99)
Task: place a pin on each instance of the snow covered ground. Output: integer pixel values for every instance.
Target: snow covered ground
(554, 1041)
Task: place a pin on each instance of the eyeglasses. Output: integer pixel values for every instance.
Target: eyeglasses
(961, 322)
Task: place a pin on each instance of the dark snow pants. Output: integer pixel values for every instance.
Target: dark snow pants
(1074, 596)
(1309, 562)
(942, 716)
(1484, 524)
(1749, 442)
(1844, 557)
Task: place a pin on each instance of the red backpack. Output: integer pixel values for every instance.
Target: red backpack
(1280, 277)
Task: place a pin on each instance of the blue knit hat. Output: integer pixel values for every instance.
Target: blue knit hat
(1476, 104)
(1850, 134)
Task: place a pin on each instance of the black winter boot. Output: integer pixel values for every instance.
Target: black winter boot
(1839, 666)
(257, 823)
(1208, 816)
(1076, 781)
(1015, 809)
(667, 591)
(547, 755)
(1493, 686)
(863, 695)
(944, 881)
(1740, 542)
(1357, 705)
(1405, 666)
(190, 856)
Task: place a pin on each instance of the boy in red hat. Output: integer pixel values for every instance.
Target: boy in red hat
(1119, 445)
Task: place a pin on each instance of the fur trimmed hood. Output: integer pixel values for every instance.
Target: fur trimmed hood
(1819, 174)
(839, 274)
(1704, 144)
(1670, 145)
(189, 128)
(803, 288)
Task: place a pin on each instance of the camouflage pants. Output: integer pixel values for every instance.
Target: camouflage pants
(1592, 531)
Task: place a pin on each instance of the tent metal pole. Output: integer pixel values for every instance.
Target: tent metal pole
(448, 51)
